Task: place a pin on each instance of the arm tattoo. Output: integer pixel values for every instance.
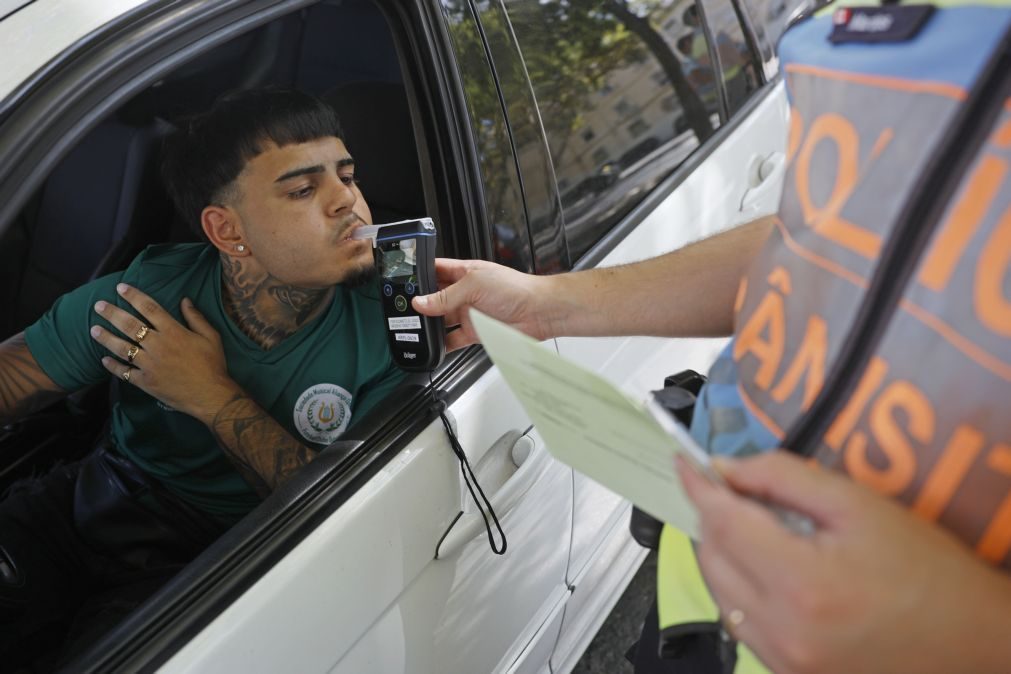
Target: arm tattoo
(264, 453)
(24, 387)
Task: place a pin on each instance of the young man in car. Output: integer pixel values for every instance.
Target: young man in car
(237, 361)
(871, 324)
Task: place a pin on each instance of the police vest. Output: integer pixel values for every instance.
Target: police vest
(872, 331)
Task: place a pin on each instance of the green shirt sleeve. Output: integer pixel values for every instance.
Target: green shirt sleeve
(61, 342)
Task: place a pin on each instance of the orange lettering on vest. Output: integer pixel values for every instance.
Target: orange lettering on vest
(1003, 136)
(768, 319)
(779, 279)
(992, 308)
(796, 132)
(962, 223)
(847, 419)
(810, 359)
(947, 474)
(892, 439)
(996, 540)
(825, 219)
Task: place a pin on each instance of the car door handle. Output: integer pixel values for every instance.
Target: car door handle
(764, 174)
(531, 457)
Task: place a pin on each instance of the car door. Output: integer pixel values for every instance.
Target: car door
(377, 558)
(662, 131)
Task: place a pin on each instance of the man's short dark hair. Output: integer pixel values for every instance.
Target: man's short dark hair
(208, 151)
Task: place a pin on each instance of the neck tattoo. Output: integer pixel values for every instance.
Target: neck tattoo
(266, 310)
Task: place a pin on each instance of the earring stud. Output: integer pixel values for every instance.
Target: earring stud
(240, 248)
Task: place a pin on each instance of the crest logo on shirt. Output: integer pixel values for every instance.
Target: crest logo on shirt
(322, 413)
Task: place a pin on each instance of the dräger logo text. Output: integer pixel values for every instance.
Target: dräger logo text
(409, 356)
(867, 23)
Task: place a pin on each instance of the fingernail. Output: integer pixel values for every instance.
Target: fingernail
(95, 331)
(421, 301)
(100, 306)
(122, 288)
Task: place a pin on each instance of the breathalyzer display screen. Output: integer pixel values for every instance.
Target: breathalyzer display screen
(398, 261)
(398, 278)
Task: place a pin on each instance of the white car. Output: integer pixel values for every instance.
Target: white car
(483, 115)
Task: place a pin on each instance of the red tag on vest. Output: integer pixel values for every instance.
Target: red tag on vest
(894, 23)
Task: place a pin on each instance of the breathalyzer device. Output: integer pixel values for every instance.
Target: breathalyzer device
(405, 258)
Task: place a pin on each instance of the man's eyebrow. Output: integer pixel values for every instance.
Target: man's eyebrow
(304, 170)
(316, 168)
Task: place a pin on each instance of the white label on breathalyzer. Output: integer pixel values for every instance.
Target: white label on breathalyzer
(407, 337)
(405, 323)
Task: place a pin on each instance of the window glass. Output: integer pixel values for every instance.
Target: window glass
(771, 17)
(510, 244)
(739, 67)
(621, 102)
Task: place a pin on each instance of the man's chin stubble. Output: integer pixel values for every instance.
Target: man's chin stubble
(360, 277)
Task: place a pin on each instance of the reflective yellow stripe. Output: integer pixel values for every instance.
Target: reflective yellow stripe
(682, 596)
(681, 593)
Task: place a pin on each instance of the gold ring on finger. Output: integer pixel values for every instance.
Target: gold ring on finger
(141, 334)
(126, 374)
(132, 353)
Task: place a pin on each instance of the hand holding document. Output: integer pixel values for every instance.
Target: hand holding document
(591, 425)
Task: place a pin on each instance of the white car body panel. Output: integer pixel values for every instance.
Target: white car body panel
(364, 592)
(41, 31)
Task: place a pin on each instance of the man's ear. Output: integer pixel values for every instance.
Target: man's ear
(223, 229)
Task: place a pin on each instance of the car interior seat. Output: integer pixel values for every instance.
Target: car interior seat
(376, 121)
(97, 209)
(89, 218)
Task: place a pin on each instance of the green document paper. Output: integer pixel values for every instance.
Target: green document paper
(591, 425)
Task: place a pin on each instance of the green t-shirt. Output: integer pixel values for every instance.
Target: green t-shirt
(311, 383)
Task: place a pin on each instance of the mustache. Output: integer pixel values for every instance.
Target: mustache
(349, 222)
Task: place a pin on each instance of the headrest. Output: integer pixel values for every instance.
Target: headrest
(377, 127)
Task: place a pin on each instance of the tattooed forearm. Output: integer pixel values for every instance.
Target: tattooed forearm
(24, 387)
(264, 453)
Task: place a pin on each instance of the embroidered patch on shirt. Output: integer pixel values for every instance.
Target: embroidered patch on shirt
(322, 413)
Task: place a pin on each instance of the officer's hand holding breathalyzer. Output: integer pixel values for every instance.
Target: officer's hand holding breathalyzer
(523, 301)
(405, 258)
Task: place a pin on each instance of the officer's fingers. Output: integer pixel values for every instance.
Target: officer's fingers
(786, 479)
(445, 302)
(450, 270)
(746, 533)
